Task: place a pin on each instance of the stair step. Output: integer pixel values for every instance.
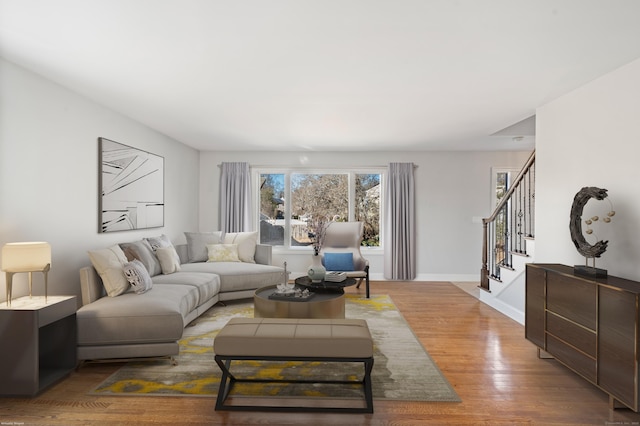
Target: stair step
(515, 253)
(507, 267)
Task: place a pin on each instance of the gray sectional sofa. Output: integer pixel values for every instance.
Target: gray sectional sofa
(149, 323)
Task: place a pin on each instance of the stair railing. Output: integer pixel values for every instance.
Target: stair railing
(511, 223)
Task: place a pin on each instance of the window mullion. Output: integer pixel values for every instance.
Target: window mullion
(287, 210)
(352, 196)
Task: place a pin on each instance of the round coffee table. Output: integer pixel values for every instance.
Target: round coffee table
(321, 305)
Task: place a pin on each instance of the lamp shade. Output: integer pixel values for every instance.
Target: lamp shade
(25, 257)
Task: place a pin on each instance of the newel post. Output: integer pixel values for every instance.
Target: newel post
(484, 272)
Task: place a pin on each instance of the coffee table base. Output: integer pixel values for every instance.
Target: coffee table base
(322, 305)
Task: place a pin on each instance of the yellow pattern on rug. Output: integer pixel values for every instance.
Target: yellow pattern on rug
(402, 369)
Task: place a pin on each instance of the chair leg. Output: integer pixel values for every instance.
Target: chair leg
(367, 282)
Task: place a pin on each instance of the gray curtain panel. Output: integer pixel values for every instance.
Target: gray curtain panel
(235, 197)
(399, 243)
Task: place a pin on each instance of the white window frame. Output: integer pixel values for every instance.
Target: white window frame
(494, 183)
(287, 171)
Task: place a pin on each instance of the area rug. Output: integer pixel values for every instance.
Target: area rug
(402, 369)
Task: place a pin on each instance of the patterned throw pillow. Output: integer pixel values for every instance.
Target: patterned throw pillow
(138, 276)
(142, 251)
(158, 242)
(223, 253)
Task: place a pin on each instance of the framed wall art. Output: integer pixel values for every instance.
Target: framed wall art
(131, 183)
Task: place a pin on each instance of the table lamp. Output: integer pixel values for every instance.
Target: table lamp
(26, 257)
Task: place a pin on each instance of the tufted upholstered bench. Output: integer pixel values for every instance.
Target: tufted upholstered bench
(288, 339)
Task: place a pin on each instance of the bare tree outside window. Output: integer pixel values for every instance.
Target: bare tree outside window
(367, 208)
(272, 205)
(314, 198)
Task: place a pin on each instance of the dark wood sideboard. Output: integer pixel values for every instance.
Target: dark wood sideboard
(589, 325)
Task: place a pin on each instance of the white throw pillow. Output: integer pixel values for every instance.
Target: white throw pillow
(138, 276)
(109, 263)
(169, 259)
(223, 253)
(246, 242)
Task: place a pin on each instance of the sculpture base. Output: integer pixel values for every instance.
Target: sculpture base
(589, 271)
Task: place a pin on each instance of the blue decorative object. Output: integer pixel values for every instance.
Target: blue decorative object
(338, 261)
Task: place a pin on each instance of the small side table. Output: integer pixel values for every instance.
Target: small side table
(38, 341)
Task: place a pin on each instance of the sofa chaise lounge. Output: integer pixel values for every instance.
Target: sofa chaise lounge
(135, 322)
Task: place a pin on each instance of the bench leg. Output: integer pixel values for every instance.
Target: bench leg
(366, 382)
(228, 380)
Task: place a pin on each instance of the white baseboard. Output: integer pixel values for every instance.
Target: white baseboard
(502, 307)
(449, 277)
(433, 277)
(420, 277)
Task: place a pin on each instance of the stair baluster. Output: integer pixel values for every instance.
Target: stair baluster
(512, 221)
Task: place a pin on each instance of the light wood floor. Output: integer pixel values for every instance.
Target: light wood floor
(482, 353)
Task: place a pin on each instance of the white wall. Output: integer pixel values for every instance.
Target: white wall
(451, 188)
(591, 137)
(49, 184)
(49, 175)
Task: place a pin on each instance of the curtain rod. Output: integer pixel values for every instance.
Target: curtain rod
(270, 166)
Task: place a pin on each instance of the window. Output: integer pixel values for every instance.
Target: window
(290, 202)
(367, 207)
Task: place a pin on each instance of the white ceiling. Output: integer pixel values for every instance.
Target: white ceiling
(377, 75)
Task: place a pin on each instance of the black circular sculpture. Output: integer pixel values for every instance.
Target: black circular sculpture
(575, 225)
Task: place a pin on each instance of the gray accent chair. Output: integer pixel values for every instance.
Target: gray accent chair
(346, 237)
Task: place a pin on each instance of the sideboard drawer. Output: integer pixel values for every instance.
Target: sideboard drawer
(581, 338)
(572, 358)
(572, 298)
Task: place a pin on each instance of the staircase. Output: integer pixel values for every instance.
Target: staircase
(508, 245)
